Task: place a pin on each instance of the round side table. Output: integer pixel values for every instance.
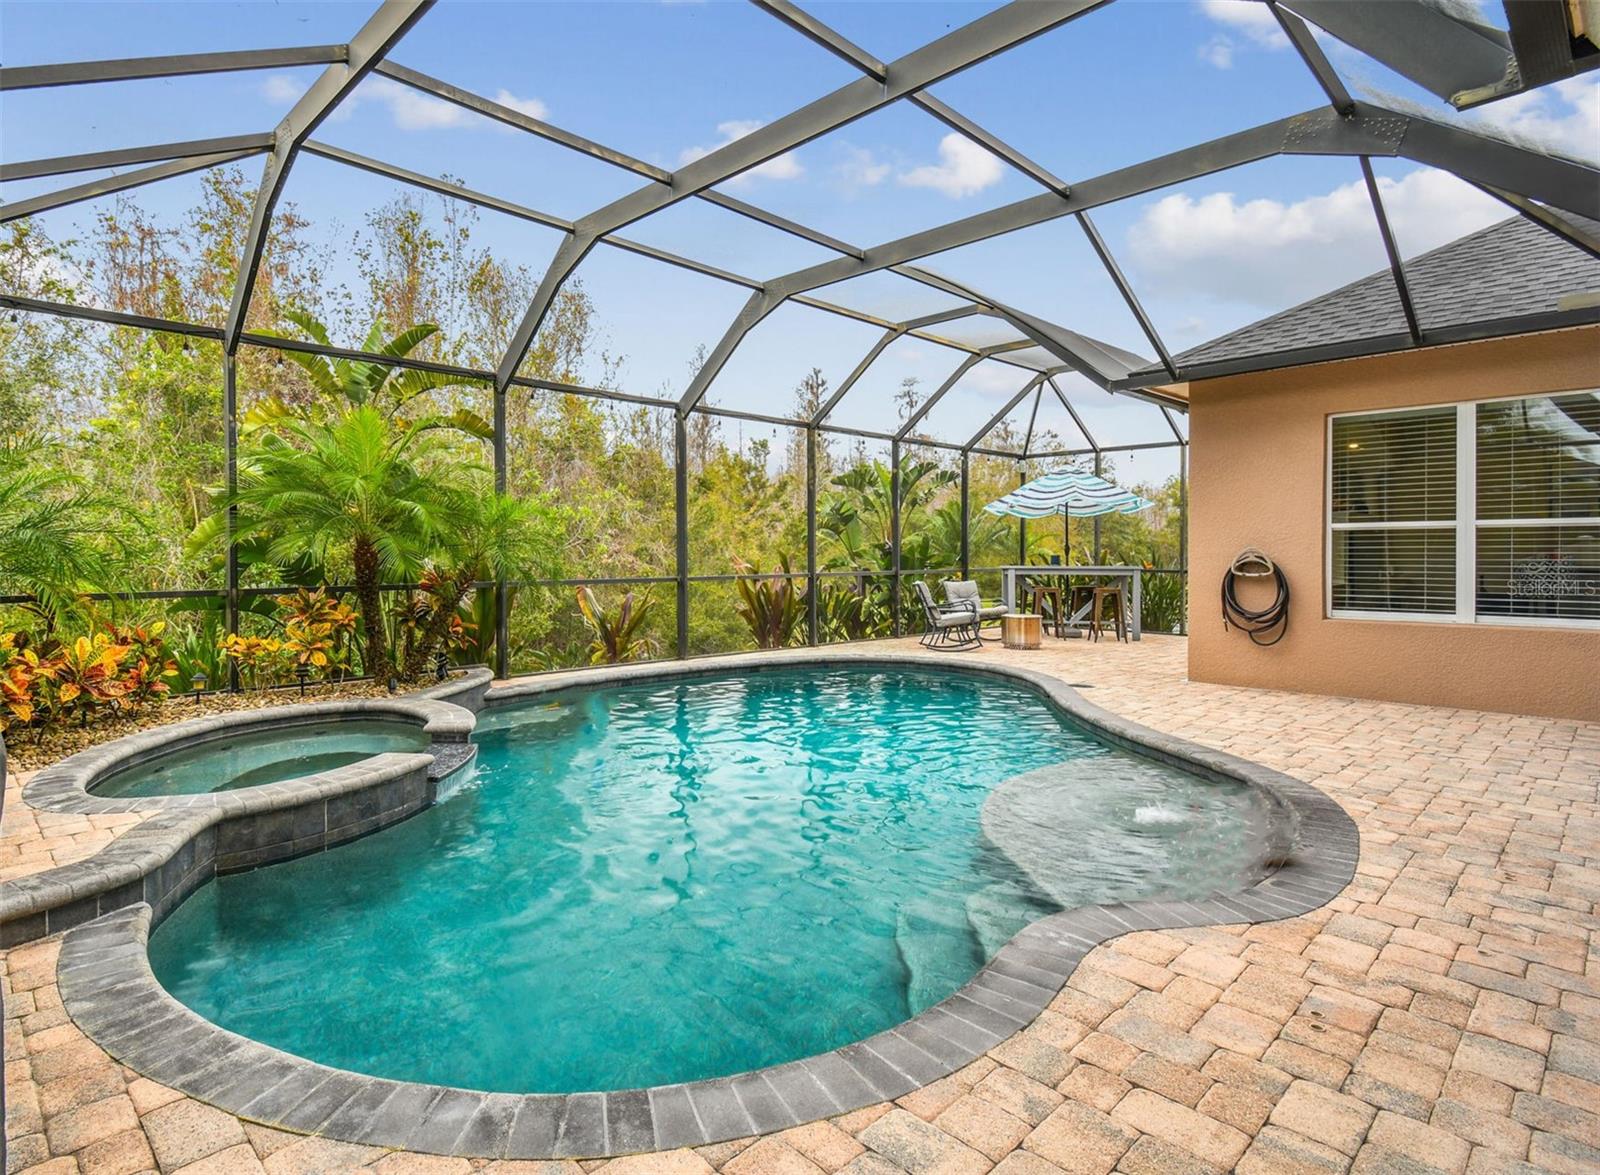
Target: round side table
(1022, 630)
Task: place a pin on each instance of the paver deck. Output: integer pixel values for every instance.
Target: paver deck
(1442, 1014)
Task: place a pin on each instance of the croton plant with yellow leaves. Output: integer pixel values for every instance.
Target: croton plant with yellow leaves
(120, 668)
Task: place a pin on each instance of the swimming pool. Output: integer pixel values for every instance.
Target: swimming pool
(269, 755)
(689, 877)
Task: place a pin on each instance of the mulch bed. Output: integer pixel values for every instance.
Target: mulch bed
(30, 749)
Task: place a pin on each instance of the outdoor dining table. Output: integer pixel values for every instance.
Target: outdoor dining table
(1129, 581)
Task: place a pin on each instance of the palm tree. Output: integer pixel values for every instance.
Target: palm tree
(356, 485)
(52, 531)
(492, 536)
(387, 386)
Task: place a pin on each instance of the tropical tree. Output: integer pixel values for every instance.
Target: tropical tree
(491, 536)
(54, 539)
(859, 516)
(355, 486)
(389, 387)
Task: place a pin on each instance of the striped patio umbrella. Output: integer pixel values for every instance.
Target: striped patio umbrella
(1068, 492)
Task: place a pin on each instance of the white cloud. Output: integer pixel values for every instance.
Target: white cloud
(410, 109)
(1250, 18)
(282, 90)
(860, 168)
(1564, 117)
(532, 107)
(1247, 18)
(1274, 254)
(782, 167)
(1426, 208)
(994, 379)
(1218, 51)
(964, 168)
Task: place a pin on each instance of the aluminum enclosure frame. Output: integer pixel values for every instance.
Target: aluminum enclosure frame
(1418, 39)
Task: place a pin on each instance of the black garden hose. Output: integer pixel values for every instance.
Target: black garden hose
(1256, 624)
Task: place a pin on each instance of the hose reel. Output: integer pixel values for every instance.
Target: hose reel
(1257, 624)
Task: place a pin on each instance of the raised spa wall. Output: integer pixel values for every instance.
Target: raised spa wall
(187, 840)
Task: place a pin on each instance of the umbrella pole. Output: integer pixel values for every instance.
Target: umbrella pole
(1066, 561)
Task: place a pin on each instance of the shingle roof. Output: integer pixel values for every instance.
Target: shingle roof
(1509, 269)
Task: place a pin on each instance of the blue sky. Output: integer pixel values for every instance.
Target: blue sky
(668, 81)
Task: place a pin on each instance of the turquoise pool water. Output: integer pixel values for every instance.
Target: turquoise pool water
(266, 756)
(684, 879)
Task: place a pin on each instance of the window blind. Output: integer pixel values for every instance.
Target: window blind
(1480, 511)
(1393, 512)
(1539, 458)
(1395, 467)
(1538, 507)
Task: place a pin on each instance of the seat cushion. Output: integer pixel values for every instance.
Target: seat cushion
(960, 590)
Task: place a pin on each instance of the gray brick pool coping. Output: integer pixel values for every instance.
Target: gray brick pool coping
(109, 990)
(187, 839)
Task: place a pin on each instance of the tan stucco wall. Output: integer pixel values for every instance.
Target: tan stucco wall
(1258, 466)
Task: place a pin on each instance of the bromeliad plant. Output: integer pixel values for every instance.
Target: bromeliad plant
(617, 638)
(842, 612)
(771, 606)
(1163, 602)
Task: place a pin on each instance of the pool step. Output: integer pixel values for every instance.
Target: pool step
(992, 914)
(938, 948)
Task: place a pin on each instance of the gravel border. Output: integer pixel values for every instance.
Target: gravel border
(109, 989)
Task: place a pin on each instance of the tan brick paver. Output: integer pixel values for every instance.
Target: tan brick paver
(1442, 1014)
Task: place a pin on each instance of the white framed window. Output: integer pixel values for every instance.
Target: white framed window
(1479, 512)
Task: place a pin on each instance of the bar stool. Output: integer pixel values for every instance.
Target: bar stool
(1082, 600)
(1039, 593)
(1097, 617)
